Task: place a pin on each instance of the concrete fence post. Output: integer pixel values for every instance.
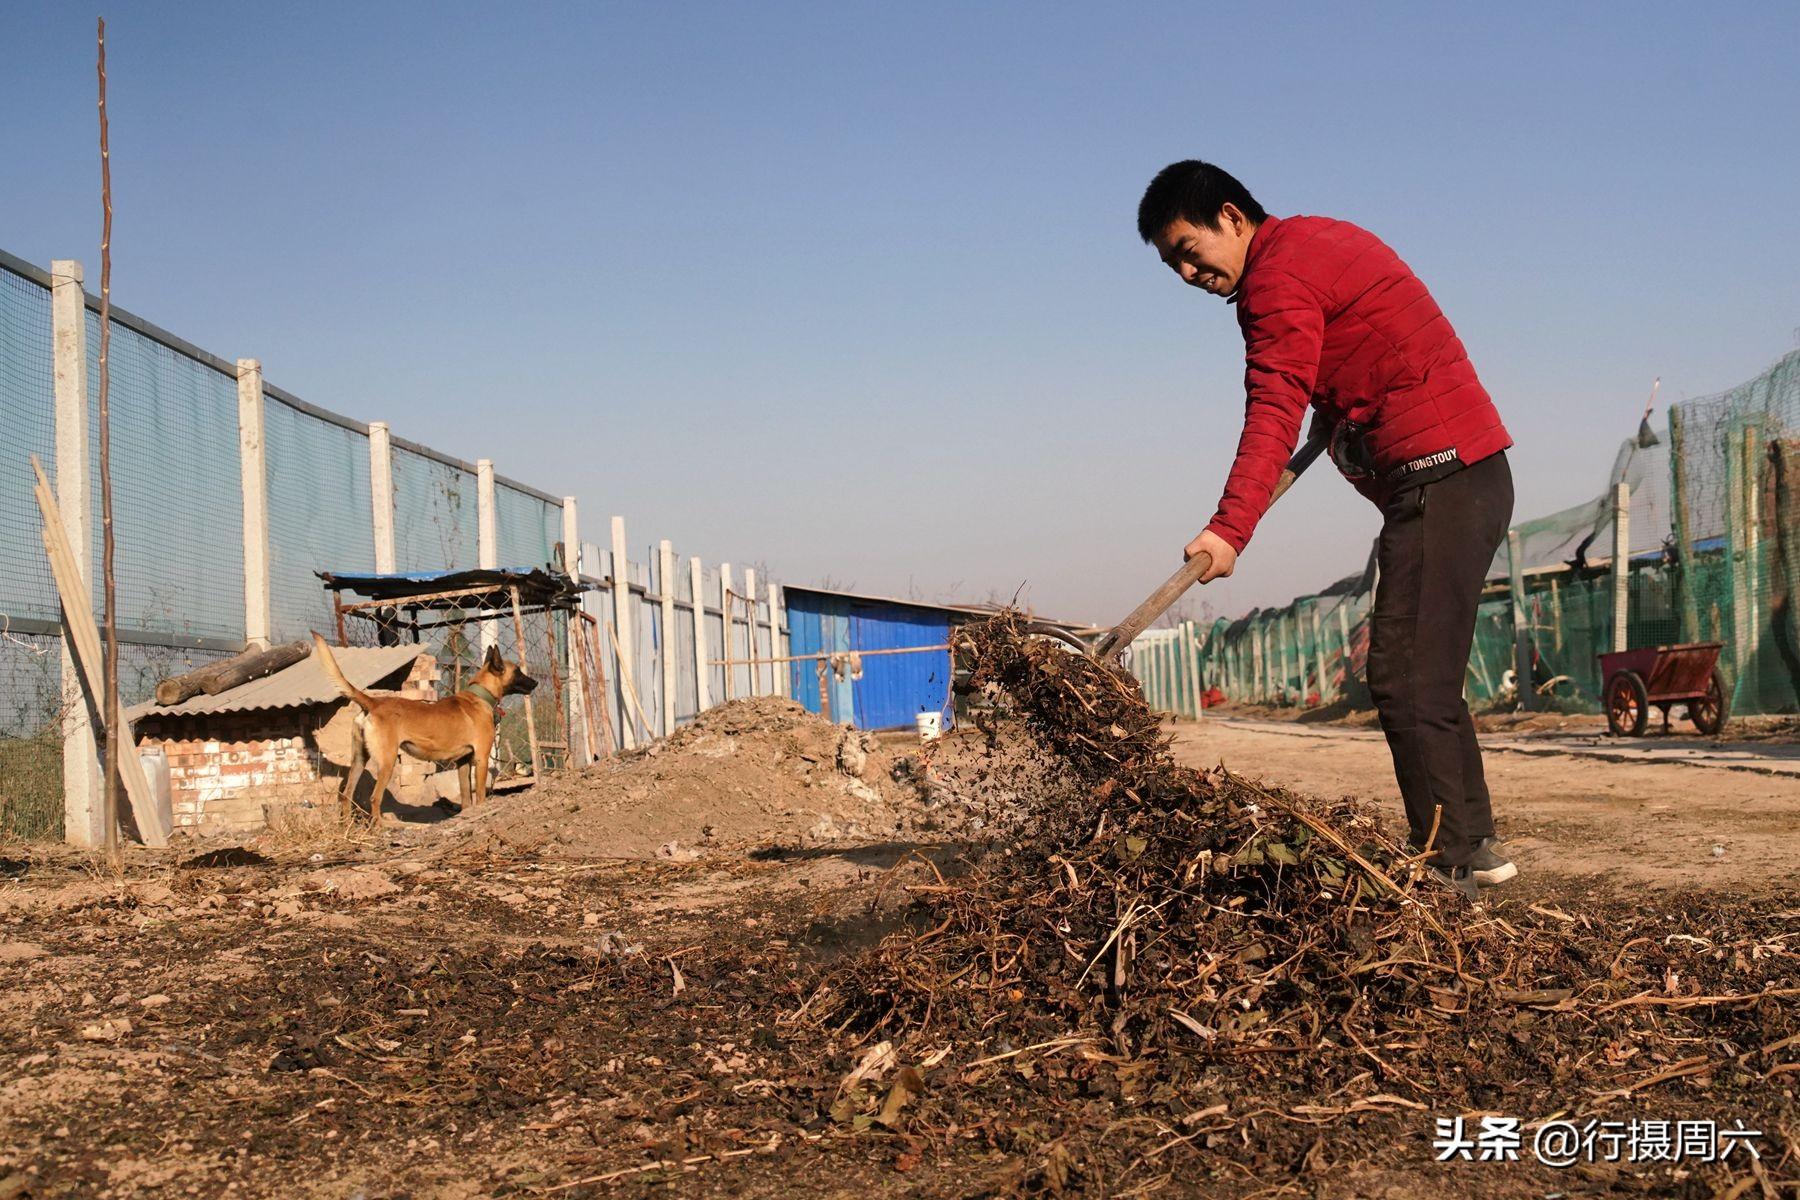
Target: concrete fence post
(577, 693)
(254, 467)
(1621, 566)
(381, 495)
(702, 670)
(725, 629)
(665, 585)
(487, 538)
(83, 811)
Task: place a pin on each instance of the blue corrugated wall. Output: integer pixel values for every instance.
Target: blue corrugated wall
(894, 688)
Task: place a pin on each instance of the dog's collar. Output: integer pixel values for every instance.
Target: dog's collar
(493, 701)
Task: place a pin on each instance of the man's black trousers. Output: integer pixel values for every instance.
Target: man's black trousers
(1437, 542)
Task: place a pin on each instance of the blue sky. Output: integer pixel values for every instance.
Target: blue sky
(855, 291)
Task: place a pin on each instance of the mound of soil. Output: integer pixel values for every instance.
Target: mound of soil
(750, 772)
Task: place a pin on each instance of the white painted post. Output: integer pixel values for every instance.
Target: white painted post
(1521, 634)
(487, 537)
(1621, 565)
(1177, 684)
(750, 630)
(697, 590)
(1196, 690)
(381, 495)
(665, 579)
(571, 565)
(1319, 650)
(1143, 653)
(1266, 651)
(1172, 669)
(83, 811)
(1147, 650)
(1301, 666)
(725, 627)
(253, 466)
(1344, 636)
(778, 670)
(621, 598)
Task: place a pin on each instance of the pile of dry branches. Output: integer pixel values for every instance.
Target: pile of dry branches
(1250, 950)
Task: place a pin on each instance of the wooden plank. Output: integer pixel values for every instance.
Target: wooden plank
(626, 684)
(80, 619)
(578, 653)
(596, 665)
(621, 625)
(530, 716)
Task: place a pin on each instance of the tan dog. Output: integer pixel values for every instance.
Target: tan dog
(459, 729)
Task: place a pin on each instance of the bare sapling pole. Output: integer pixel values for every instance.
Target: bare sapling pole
(110, 686)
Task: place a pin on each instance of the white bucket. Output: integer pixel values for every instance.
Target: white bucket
(931, 726)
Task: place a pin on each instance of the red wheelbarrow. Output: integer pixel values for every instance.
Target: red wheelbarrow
(1663, 676)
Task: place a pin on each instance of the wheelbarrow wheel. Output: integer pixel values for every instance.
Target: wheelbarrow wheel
(1627, 705)
(1708, 714)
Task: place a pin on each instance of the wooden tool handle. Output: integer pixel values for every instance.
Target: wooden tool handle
(1141, 617)
(1127, 630)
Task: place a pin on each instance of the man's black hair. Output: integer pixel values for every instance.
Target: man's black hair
(1193, 191)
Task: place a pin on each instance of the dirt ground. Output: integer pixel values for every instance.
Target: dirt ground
(600, 987)
(1682, 812)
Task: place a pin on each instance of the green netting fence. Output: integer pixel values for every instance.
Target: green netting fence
(1712, 554)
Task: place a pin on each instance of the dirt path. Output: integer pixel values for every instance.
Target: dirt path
(1681, 814)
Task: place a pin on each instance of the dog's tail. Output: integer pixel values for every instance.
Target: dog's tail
(322, 652)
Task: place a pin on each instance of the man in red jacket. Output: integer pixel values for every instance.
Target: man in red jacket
(1333, 319)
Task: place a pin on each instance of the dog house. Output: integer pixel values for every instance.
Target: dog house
(232, 759)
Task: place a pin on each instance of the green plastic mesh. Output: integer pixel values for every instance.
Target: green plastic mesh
(1713, 556)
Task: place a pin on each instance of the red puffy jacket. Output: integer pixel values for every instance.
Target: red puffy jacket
(1331, 316)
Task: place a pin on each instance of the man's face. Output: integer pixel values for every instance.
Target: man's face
(1209, 259)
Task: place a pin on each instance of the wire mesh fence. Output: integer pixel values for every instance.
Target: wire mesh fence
(26, 401)
(178, 504)
(180, 465)
(319, 514)
(31, 736)
(528, 527)
(436, 527)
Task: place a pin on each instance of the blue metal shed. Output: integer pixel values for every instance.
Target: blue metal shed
(893, 689)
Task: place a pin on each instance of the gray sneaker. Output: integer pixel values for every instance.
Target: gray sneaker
(1488, 867)
(1459, 879)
